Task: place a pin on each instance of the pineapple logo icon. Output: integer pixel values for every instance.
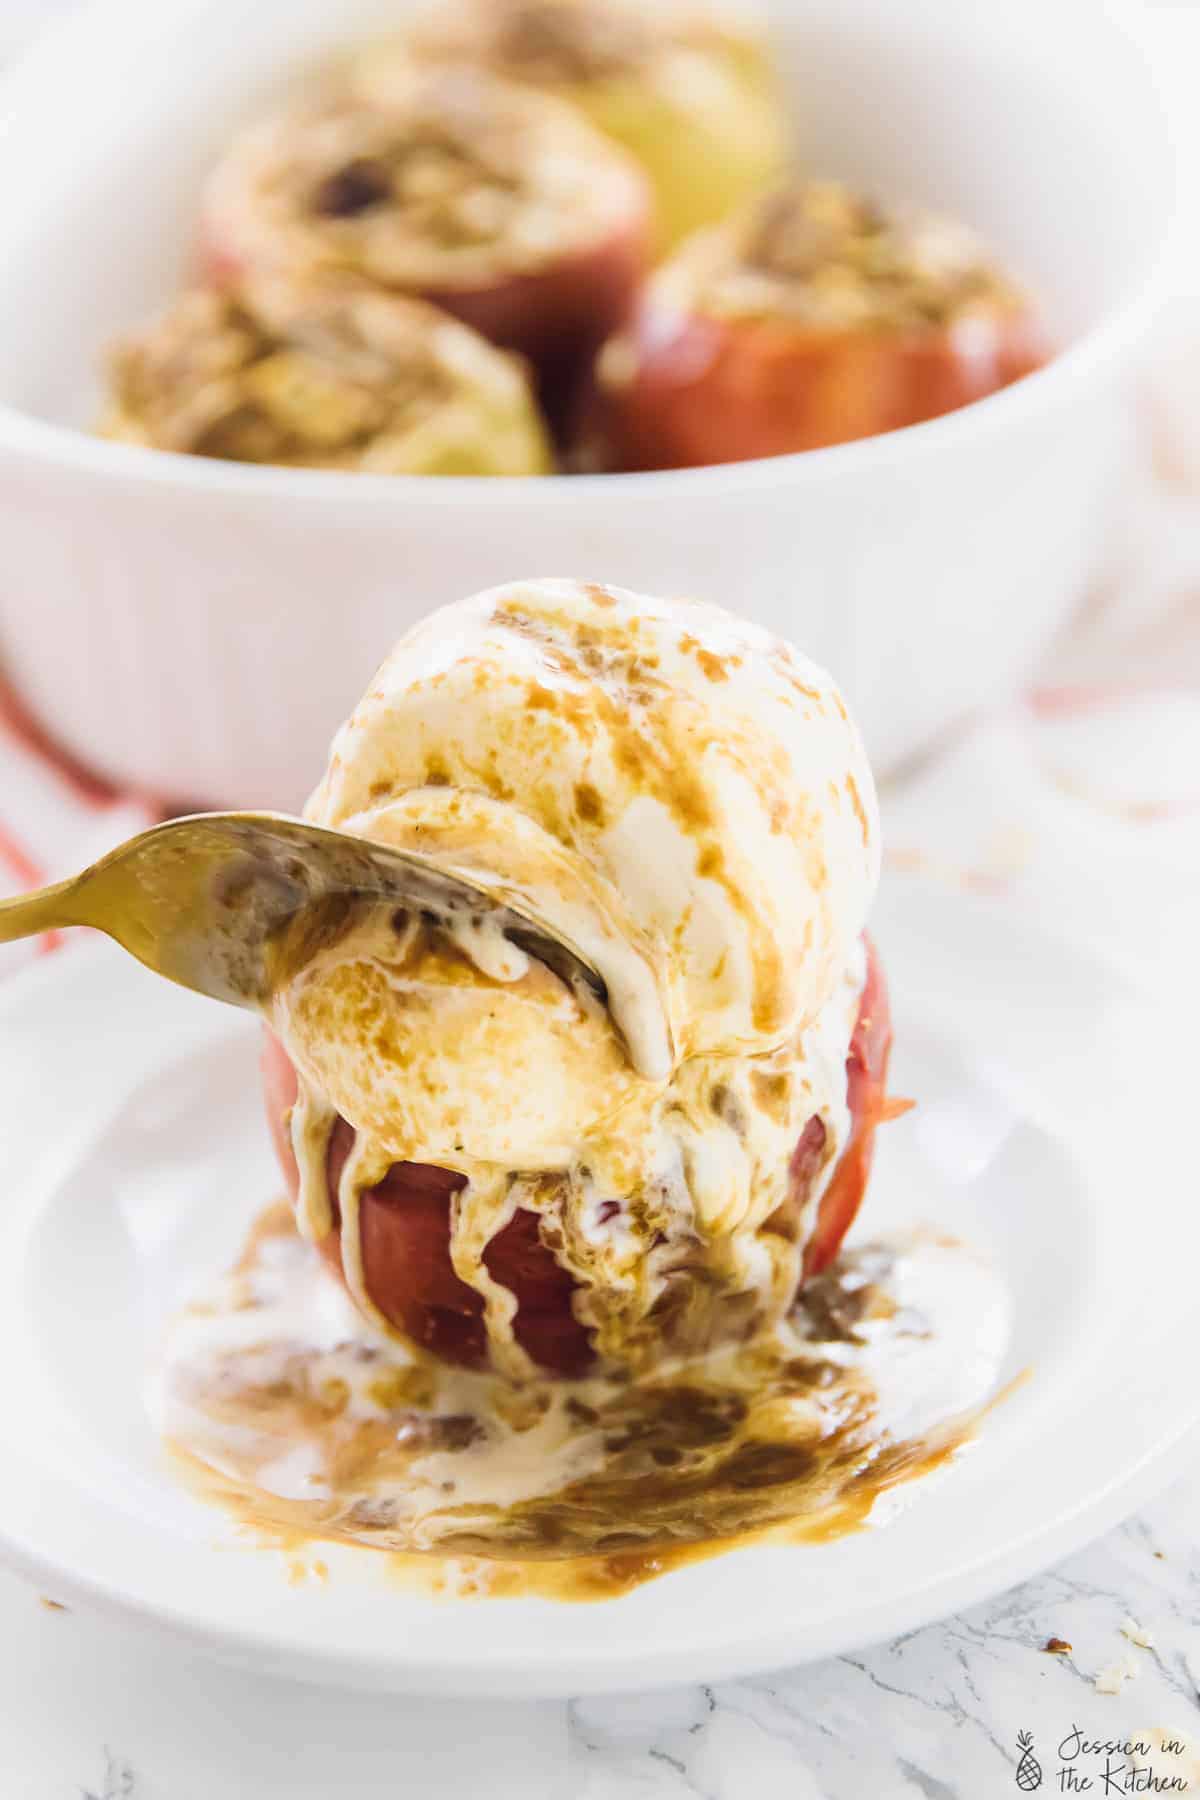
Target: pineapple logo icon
(1029, 1769)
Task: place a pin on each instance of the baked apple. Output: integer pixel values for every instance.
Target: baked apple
(814, 319)
(326, 376)
(687, 89)
(498, 204)
(515, 1169)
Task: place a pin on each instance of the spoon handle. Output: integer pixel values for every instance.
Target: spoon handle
(26, 915)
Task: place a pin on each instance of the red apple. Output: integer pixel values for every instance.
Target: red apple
(451, 189)
(405, 1225)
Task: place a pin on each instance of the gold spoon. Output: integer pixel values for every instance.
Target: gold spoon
(230, 903)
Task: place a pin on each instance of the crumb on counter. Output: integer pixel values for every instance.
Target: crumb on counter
(1111, 1679)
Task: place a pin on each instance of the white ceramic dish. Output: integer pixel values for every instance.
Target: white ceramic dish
(196, 627)
(134, 1152)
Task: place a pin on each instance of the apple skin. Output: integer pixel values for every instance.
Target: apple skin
(405, 1225)
(566, 309)
(866, 1098)
(405, 1218)
(697, 389)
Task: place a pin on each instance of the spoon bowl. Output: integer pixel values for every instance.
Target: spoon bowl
(230, 904)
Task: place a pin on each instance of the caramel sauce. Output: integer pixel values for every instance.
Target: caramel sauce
(781, 1441)
(467, 1571)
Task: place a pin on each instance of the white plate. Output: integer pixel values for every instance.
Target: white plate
(1051, 1130)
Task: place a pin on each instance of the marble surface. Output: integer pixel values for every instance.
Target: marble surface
(93, 1711)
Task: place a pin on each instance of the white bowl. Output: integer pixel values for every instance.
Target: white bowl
(199, 627)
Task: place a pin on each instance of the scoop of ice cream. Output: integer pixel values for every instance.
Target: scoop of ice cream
(687, 800)
(701, 771)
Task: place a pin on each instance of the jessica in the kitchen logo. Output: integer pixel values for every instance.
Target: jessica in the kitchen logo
(1100, 1766)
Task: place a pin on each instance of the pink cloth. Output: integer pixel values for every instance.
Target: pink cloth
(54, 818)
